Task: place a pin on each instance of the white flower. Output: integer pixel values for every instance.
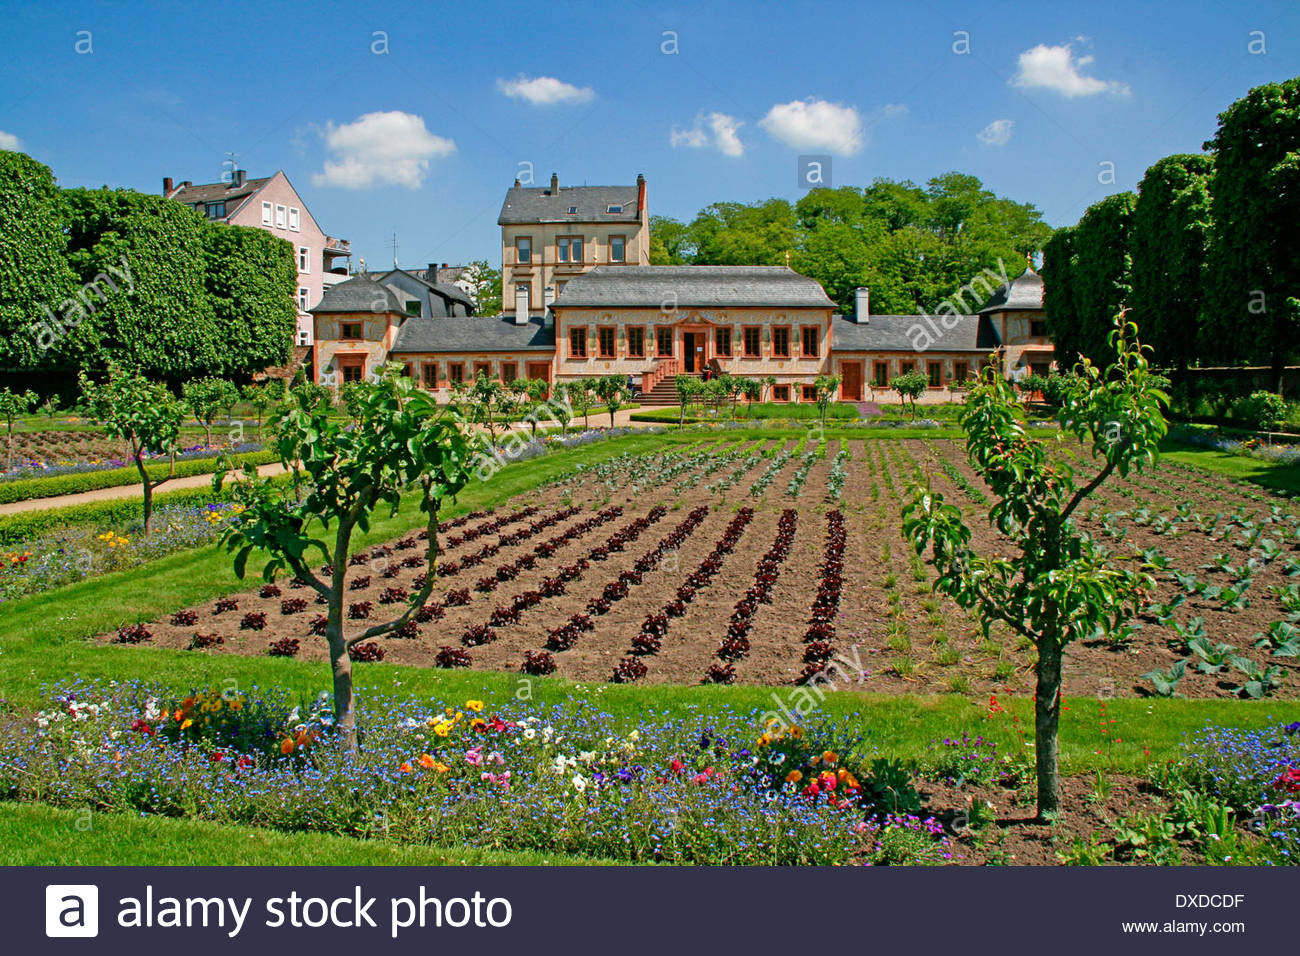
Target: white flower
(587, 756)
(529, 733)
(579, 782)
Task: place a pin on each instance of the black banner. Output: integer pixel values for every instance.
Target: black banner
(642, 910)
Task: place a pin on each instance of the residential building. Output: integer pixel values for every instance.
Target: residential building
(274, 205)
(1016, 310)
(551, 234)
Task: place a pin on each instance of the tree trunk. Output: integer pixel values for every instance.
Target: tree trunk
(1047, 716)
(1276, 372)
(345, 717)
(148, 493)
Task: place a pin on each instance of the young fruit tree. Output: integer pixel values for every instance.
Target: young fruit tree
(612, 389)
(206, 397)
(403, 443)
(826, 386)
(1057, 586)
(688, 388)
(142, 413)
(909, 385)
(13, 404)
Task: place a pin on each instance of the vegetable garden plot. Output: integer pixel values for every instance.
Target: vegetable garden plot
(654, 568)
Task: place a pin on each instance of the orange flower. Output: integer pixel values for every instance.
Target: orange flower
(405, 767)
(830, 757)
(794, 776)
(286, 746)
(427, 762)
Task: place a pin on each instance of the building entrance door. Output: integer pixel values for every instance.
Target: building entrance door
(851, 381)
(688, 348)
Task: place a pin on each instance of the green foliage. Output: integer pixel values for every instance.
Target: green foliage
(827, 386)
(206, 397)
(1169, 243)
(251, 277)
(910, 386)
(487, 287)
(1063, 323)
(611, 390)
(913, 246)
(1056, 587)
(688, 389)
(1165, 682)
(12, 405)
(1100, 274)
(402, 441)
(155, 315)
(1255, 252)
(34, 272)
(1265, 411)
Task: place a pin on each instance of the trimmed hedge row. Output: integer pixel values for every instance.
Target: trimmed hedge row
(15, 529)
(51, 486)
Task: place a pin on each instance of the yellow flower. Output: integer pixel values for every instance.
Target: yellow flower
(441, 767)
(441, 729)
(187, 723)
(794, 776)
(474, 705)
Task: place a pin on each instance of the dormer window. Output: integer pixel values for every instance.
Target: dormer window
(573, 210)
(216, 210)
(614, 209)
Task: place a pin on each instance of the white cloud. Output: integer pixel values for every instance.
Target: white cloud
(816, 124)
(997, 133)
(1057, 68)
(894, 110)
(380, 149)
(10, 141)
(712, 129)
(545, 90)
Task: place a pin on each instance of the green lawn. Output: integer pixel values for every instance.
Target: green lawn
(37, 835)
(1273, 476)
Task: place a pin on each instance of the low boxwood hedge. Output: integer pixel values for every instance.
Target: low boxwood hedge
(51, 486)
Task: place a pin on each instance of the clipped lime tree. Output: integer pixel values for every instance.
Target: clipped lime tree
(688, 389)
(910, 386)
(142, 413)
(611, 390)
(1056, 586)
(826, 385)
(403, 443)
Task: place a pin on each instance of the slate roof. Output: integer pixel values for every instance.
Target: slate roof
(446, 290)
(1023, 294)
(693, 287)
(525, 204)
(494, 333)
(216, 192)
(892, 333)
(358, 294)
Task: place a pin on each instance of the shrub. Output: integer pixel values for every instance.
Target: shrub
(1264, 411)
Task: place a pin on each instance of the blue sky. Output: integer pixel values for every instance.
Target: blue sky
(710, 101)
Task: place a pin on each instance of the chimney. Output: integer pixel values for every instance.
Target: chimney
(237, 178)
(521, 305)
(640, 193)
(167, 185)
(432, 273)
(548, 297)
(186, 184)
(555, 185)
(861, 305)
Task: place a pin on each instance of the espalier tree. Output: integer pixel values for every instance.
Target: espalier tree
(1057, 586)
(402, 443)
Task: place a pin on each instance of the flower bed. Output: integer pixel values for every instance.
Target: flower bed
(561, 779)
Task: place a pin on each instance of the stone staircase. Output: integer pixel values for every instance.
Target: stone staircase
(664, 393)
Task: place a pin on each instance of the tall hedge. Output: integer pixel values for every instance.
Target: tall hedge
(1255, 254)
(158, 319)
(1058, 296)
(34, 272)
(251, 280)
(1169, 244)
(1101, 279)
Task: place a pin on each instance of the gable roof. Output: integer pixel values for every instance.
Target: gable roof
(1024, 293)
(358, 294)
(444, 289)
(495, 333)
(894, 333)
(233, 196)
(689, 287)
(525, 204)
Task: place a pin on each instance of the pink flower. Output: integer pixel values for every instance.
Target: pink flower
(500, 779)
(474, 756)
(676, 766)
(496, 758)
(700, 778)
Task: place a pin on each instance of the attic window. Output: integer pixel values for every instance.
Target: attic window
(573, 210)
(614, 209)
